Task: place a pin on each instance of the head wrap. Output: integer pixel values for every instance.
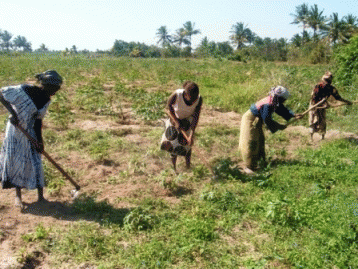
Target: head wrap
(280, 91)
(49, 77)
(327, 77)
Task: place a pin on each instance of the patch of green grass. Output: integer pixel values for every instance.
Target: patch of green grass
(148, 105)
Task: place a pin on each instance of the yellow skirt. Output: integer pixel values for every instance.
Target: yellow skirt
(252, 140)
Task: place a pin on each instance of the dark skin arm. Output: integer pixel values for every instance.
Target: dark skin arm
(38, 132)
(14, 119)
(170, 110)
(196, 116)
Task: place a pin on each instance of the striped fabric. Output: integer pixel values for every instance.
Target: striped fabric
(20, 163)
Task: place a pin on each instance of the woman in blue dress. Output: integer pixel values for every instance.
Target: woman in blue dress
(20, 160)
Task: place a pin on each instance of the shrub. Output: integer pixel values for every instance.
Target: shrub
(347, 61)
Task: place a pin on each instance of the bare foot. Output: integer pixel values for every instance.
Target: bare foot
(248, 171)
(18, 203)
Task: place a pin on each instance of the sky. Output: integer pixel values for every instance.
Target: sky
(96, 24)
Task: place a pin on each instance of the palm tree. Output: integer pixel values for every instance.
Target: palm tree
(6, 43)
(351, 23)
(240, 34)
(301, 16)
(251, 36)
(316, 20)
(163, 35)
(336, 29)
(296, 40)
(351, 20)
(189, 28)
(181, 38)
(20, 42)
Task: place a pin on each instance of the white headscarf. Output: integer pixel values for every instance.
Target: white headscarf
(280, 91)
(277, 92)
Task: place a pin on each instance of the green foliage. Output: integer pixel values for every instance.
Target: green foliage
(297, 212)
(60, 110)
(94, 99)
(41, 233)
(102, 211)
(226, 169)
(139, 219)
(347, 62)
(149, 105)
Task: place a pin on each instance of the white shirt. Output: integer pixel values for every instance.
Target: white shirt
(181, 109)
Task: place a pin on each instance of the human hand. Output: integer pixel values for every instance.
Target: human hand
(39, 147)
(177, 125)
(298, 116)
(190, 140)
(14, 120)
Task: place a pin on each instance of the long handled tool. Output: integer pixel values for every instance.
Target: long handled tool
(341, 104)
(308, 110)
(34, 142)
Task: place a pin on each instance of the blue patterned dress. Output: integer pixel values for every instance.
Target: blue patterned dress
(20, 163)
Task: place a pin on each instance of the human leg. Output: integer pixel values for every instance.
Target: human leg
(187, 159)
(18, 198)
(40, 194)
(174, 161)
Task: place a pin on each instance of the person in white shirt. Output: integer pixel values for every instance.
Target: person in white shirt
(183, 108)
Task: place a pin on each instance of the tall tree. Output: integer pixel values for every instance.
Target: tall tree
(296, 40)
(181, 38)
(190, 30)
(42, 48)
(20, 42)
(336, 29)
(164, 36)
(6, 40)
(240, 34)
(73, 50)
(351, 23)
(316, 20)
(301, 17)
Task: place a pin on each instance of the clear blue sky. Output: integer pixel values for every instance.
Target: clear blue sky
(96, 24)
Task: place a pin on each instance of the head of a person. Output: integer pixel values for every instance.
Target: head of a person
(50, 81)
(327, 77)
(280, 94)
(191, 91)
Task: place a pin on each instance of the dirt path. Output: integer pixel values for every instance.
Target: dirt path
(57, 210)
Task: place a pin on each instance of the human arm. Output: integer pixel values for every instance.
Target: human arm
(170, 110)
(195, 121)
(266, 112)
(38, 131)
(339, 98)
(14, 118)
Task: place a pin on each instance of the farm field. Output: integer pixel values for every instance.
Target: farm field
(104, 128)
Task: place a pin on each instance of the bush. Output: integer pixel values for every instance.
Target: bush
(347, 61)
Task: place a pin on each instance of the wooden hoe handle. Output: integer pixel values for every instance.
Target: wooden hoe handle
(34, 142)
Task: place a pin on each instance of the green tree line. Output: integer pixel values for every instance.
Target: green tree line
(320, 36)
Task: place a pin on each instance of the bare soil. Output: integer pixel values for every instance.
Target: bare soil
(94, 177)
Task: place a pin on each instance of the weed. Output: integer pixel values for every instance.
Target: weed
(41, 233)
(226, 169)
(139, 219)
